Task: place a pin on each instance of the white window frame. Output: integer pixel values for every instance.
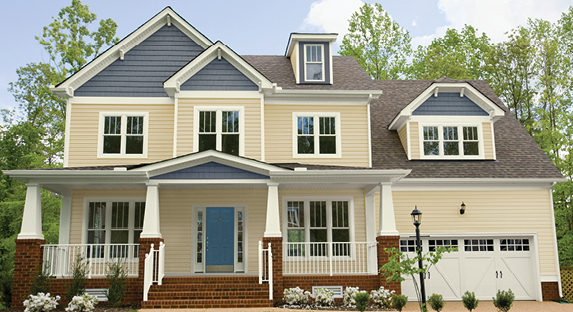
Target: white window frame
(328, 200)
(308, 62)
(219, 127)
(316, 119)
(124, 115)
(460, 123)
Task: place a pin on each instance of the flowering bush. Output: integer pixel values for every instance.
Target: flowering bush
(41, 303)
(348, 296)
(295, 296)
(382, 297)
(84, 303)
(323, 297)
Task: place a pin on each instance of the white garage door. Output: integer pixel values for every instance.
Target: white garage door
(481, 265)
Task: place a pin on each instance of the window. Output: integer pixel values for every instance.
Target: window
(123, 135)
(316, 135)
(312, 224)
(478, 244)
(314, 62)
(450, 141)
(117, 222)
(219, 129)
(510, 244)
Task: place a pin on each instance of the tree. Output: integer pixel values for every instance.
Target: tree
(377, 42)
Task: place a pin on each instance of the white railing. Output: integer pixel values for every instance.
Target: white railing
(154, 268)
(328, 258)
(266, 267)
(58, 260)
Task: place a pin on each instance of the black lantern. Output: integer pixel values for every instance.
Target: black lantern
(416, 216)
(463, 208)
(417, 219)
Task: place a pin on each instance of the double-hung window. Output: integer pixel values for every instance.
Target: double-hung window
(316, 135)
(123, 135)
(219, 129)
(314, 62)
(450, 141)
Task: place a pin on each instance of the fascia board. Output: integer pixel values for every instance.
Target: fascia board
(296, 37)
(340, 176)
(74, 176)
(283, 96)
(476, 183)
(67, 87)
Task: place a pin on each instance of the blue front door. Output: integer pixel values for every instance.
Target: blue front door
(220, 239)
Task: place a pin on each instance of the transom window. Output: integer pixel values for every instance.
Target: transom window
(219, 129)
(316, 135)
(314, 62)
(123, 135)
(450, 141)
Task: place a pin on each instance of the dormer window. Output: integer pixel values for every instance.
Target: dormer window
(314, 62)
(446, 141)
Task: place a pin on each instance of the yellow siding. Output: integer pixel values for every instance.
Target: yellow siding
(252, 125)
(354, 132)
(487, 141)
(403, 134)
(84, 121)
(414, 140)
(293, 57)
(487, 212)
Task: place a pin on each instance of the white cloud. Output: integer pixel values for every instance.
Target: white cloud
(330, 16)
(496, 17)
(414, 23)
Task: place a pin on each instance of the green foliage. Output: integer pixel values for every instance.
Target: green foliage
(503, 300)
(41, 283)
(469, 300)
(377, 42)
(436, 302)
(362, 299)
(77, 285)
(399, 301)
(116, 276)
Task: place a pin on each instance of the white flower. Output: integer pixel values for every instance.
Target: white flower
(41, 303)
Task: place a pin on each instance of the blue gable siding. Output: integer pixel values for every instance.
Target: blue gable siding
(219, 75)
(145, 67)
(211, 170)
(449, 104)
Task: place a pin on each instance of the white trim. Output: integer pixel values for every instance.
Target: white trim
(472, 184)
(175, 126)
(124, 115)
(296, 37)
(67, 132)
(551, 278)
(408, 139)
(554, 233)
(330, 64)
(122, 100)
(369, 137)
(493, 142)
(316, 120)
(65, 219)
(219, 94)
(263, 152)
(219, 110)
(321, 63)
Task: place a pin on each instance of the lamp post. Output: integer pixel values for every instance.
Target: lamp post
(417, 218)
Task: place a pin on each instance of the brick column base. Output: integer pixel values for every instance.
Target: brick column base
(387, 242)
(277, 249)
(27, 262)
(550, 291)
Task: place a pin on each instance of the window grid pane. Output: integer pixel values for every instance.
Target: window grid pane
(431, 141)
(139, 215)
(119, 215)
(451, 143)
(453, 243)
(230, 122)
(208, 122)
(112, 125)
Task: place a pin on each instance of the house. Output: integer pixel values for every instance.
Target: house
(180, 149)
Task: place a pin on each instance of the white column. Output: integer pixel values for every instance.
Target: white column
(151, 219)
(386, 220)
(65, 219)
(32, 219)
(371, 232)
(273, 227)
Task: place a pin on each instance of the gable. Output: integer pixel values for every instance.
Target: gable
(219, 75)
(145, 67)
(449, 104)
(211, 170)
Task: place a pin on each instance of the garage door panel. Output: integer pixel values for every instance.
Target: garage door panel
(445, 278)
(515, 274)
(480, 275)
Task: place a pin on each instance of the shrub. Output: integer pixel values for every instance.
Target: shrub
(41, 303)
(116, 275)
(323, 297)
(469, 300)
(85, 303)
(348, 296)
(503, 300)
(77, 285)
(436, 302)
(41, 283)
(399, 301)
(295, 296)
(362, 299)
(382, 297)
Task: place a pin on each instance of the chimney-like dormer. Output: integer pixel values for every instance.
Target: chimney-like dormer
(311, 57)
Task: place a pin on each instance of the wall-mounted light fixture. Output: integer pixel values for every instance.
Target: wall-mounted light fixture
(463, 208)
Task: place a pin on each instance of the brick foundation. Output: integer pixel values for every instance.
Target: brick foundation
(27, 262)
(387, 242)
(550, 291)
(277, 249)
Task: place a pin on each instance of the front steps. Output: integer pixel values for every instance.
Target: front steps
(195, 292)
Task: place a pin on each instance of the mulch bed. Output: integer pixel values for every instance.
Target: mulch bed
(337, 306)
(98, 308)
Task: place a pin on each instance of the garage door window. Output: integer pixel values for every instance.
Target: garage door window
(510, 244)
(408, 245)
(453, 243)
(478, 244)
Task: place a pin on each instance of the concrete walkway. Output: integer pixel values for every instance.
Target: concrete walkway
(484, 306)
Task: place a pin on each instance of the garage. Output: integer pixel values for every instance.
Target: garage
(481, 265)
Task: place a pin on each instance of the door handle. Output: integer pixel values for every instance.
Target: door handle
(500, 274)
(496, 275)
(428, 275)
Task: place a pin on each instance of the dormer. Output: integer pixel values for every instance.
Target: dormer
(311, 57)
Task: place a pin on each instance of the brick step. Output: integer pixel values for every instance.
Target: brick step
(208, 287)
(212, 295)
(212, 280)
(206, 303)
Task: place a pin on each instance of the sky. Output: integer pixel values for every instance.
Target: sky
(262, 27)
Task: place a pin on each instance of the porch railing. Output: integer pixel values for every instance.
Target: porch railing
(154, 268)
(328, 258)
(266, 267)
(59, 260)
